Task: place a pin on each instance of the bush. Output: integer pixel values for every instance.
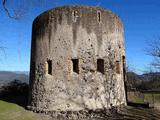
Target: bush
(15, 87)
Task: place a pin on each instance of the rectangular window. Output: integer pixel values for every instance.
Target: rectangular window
(75, 64)
(49, 67)
(99, 16)
(117, 67)
(75, 15)
(100, 65)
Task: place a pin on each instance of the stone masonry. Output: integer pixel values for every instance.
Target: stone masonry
(77, 60)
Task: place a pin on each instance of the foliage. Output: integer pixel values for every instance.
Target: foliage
(148, 81)
(17, 9)
(15, 87)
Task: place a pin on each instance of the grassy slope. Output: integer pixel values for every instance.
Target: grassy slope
(135, 99)
(148, 97)
(153, 97)
(11, 111)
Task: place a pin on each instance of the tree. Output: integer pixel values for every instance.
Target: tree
(153, 49)
(15, 87)
(17, 9)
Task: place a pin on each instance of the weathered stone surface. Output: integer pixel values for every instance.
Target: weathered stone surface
(86, 34)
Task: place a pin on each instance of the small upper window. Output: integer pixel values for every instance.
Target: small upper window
(75, 64)
(100, 65)
(75, 15)
(49, 67)
(99, 16)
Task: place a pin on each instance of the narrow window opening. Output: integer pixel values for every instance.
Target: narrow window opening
(117, 67)
(99, 16)
(75, 64)
(74, 13)
(49, 67)
(100, 65)
(75, 16)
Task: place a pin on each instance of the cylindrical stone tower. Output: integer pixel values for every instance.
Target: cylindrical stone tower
(77, 60)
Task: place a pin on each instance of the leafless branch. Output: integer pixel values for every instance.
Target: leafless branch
(21, 8)
(156, 63)
(153, 48)
(7, 11)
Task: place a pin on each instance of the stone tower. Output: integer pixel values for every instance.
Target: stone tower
(77, 60)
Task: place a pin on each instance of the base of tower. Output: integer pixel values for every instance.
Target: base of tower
(82, 114)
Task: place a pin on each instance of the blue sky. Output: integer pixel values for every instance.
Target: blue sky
(141, 20)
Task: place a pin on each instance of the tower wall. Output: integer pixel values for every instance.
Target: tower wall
(77, 60)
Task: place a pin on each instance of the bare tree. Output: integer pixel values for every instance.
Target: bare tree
(17, 9)
(8, 12)
(153, 49)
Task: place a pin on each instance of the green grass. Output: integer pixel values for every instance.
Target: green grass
(5, 106)
(152, 94)
(152, 97)
(138, 100)
(11, 111)
(148, 97)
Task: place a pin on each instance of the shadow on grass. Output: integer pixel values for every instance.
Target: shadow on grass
(20, 100)
(15, 92)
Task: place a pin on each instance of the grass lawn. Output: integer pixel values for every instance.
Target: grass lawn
(11, 111)
(138, 100)
(152, 97)
(145, 97)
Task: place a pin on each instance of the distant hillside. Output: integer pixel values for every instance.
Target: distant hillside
(22, 72)
(7, 76)
(147, 81)
(145, 76)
